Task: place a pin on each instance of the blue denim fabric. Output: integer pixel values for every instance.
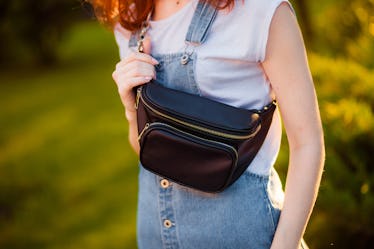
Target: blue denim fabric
(176, 217)
(243, 216)
(173, 74)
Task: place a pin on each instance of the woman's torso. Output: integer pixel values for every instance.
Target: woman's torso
(227, 65)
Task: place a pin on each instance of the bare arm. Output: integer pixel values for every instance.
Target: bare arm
(288, 71)
(134, 70)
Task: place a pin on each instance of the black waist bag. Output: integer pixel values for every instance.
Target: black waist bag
(195, 141)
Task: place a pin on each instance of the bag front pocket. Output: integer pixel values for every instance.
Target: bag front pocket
(185, 158)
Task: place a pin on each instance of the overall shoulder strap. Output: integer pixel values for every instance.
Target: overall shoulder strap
(202, 20)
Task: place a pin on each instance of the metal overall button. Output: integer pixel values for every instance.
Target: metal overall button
(164, 183)
(167, 223)
(184, 59)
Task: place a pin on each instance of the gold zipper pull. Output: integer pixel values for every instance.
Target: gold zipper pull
(144, 129)
(138, 93)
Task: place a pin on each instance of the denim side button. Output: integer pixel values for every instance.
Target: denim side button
(164, 183)
(184, 59)
(167, 223)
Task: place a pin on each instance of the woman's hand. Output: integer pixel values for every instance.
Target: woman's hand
(134, 70)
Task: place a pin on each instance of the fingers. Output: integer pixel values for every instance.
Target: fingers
(126, 93)
(136, 69)
(126, 85)
(135, 56)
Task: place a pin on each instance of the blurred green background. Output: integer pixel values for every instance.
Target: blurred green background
(68, 178)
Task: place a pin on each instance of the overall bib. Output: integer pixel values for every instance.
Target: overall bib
(171, 216)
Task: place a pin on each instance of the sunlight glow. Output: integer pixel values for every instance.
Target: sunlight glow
(371, 28)
(364, 188)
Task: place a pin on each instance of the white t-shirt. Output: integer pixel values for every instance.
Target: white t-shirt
(228, 65)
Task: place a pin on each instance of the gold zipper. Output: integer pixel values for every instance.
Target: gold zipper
(138, 93)
(196, 127)
(144, 129)
(196, 137)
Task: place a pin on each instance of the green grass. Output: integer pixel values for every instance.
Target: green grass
(68, 178)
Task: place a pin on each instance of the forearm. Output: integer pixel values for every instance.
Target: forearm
(303, 179)
(133, 131)
(134, 70)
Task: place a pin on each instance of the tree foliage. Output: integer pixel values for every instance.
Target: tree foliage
(344, 211)
(343, 28)
(34, 28)
(341, 34)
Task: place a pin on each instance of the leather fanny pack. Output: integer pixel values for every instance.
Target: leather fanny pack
(195, 141)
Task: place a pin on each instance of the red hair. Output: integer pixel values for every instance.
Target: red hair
(131, 13)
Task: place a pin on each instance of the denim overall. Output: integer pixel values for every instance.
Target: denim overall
(171, 216)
